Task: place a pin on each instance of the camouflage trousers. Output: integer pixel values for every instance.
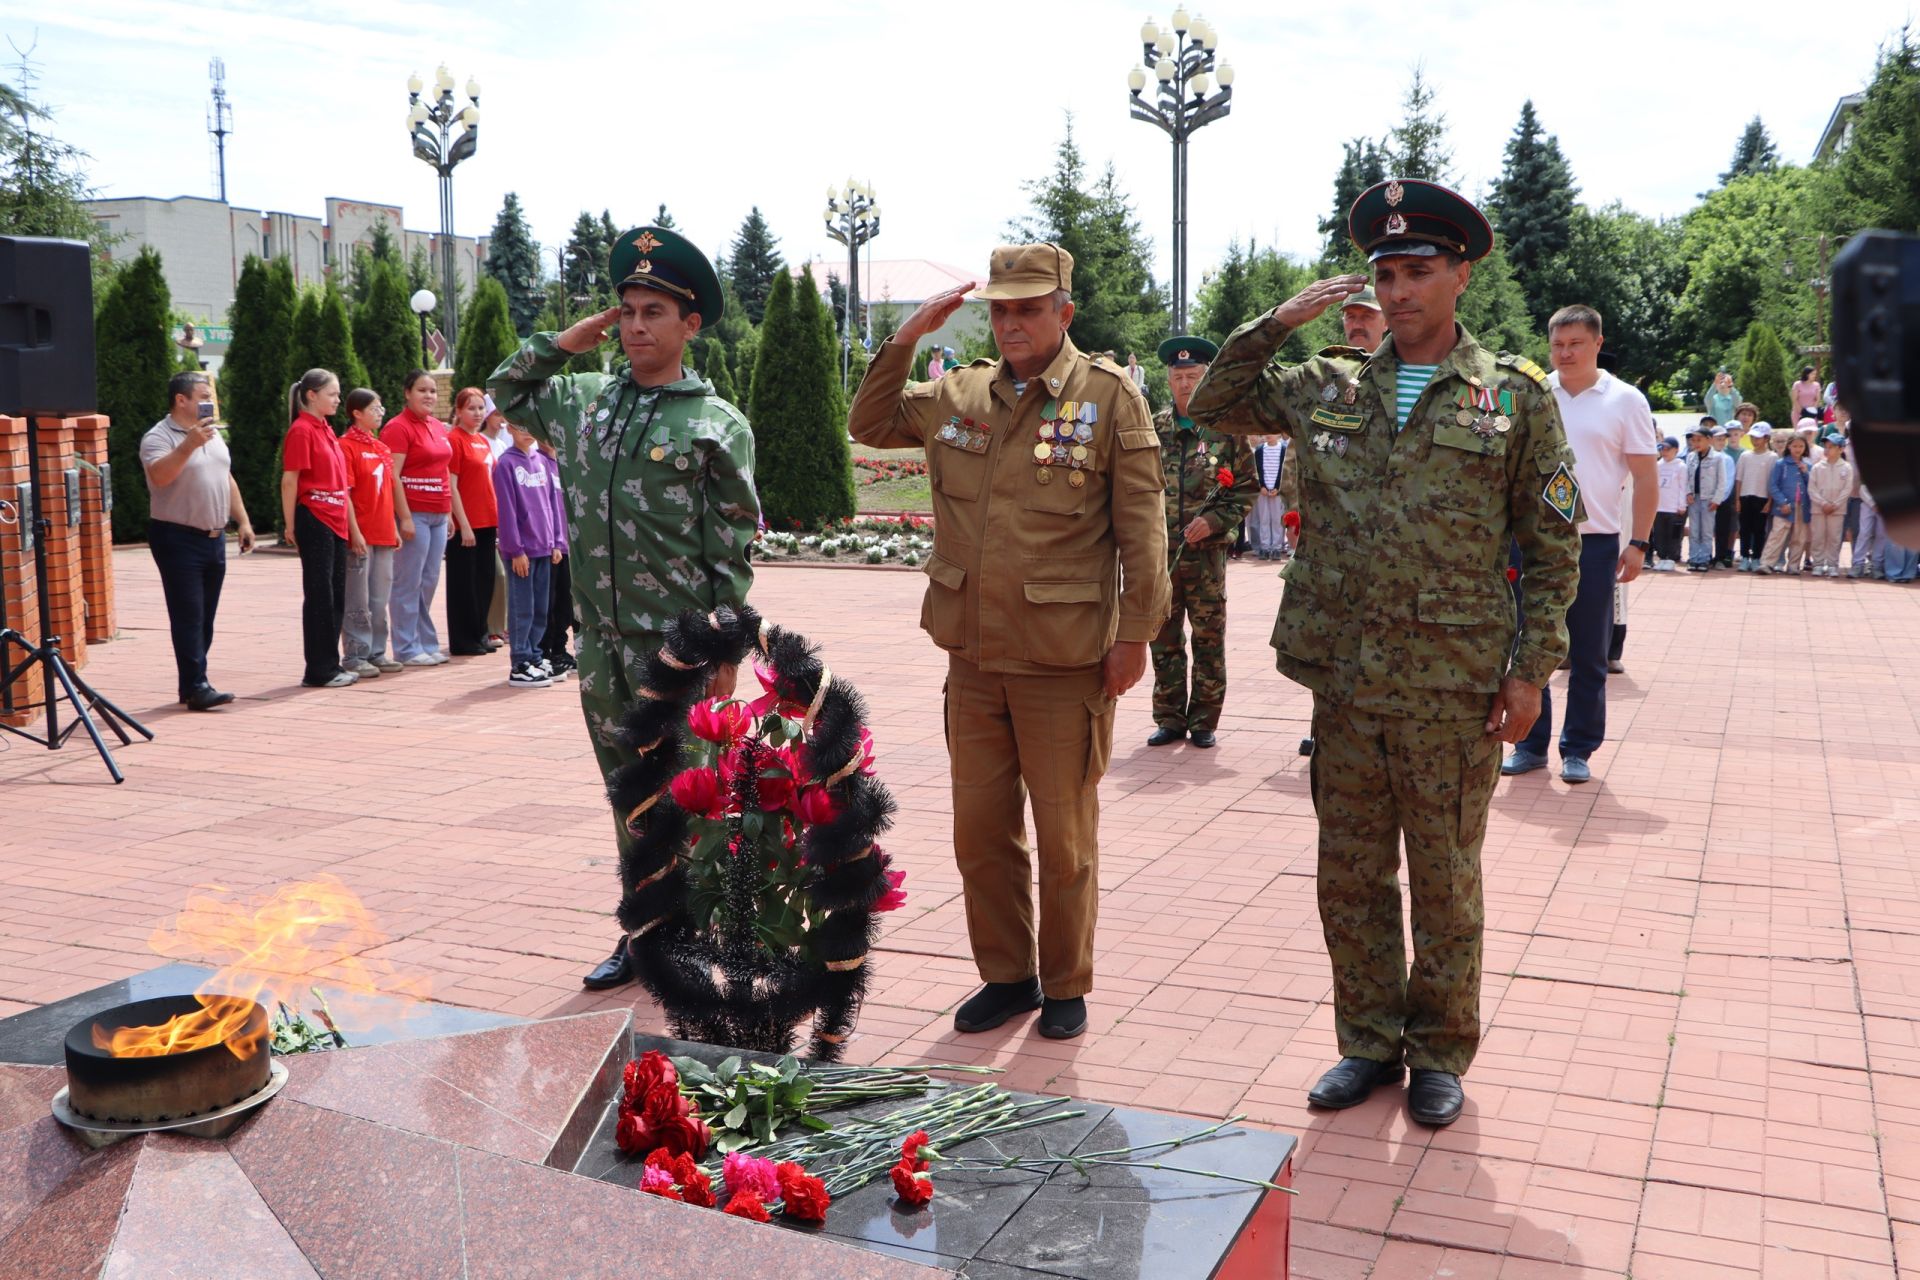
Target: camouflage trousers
(1199, 602)
(610, 666)
(1377, 779)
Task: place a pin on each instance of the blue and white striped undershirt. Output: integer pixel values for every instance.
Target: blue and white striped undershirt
(1410, 381)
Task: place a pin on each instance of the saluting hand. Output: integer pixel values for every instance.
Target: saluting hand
(1317, 297)
(933, 313)
(584, 335)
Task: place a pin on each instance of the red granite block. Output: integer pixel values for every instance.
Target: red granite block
(67, 1236)
(190, 1213)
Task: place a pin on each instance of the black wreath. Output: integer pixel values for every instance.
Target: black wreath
(727, 989)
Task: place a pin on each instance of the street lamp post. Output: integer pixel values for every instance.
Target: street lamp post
(423, 303)
(431, 124)
(853, 218)
(1180, 59)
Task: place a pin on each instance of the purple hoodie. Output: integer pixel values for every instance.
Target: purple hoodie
(527, 487)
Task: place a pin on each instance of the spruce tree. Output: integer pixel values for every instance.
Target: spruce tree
(1226, 300)
(753, 263)
(584, 274)
(379, 246)
(1531, 206)
(133, 363)
(1417, 147)
(305, 344)
(486, 336)
(1494, 309)
(663, 218)
(513, 258)
(386, 335)
(422, 271)
(802, 465)
(1754, 153)
(1763, 376)
(255, 378)
(1875, 180)
(1362, 165)
(333, 347)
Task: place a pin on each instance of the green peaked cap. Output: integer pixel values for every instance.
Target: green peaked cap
(663, 259)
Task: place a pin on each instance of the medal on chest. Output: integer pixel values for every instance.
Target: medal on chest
(1483, 410)
(1066, 428)
(966, 434)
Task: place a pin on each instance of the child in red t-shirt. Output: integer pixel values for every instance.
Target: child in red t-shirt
(370, 481)
(470, 547)
(422, 505)
(319, 522)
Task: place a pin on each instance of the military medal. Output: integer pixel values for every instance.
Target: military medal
(658, 453)
(1351, 394)
(1083, 433)
(1329, 393)
(1340, 445)
(1503, 424)
(680, 462)
(1060, 453)
(1464, 417)
(1079, 453)
(1043, 475)
(1089, 412)
(1077, 479)
(1322, 442)
(1042, 453)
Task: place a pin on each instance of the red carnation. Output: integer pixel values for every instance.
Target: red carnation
(698, 791)
(1513, 574)
(803, 1196)
(696, 1189)
(912, 1145)
(1224, 478)
(1291, 520)
(912, 1188)
(745, 1204)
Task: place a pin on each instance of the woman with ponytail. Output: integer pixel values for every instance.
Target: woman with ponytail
(422, 505)
(320, 523)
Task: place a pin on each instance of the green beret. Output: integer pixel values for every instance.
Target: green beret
(1186, 349)
(662, 259)
(1420, 219)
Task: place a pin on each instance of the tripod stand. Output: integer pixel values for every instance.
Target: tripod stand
(61, 681)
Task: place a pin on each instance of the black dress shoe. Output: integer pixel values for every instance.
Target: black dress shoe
(1434, 1097)
(615, 971)
(206, 698)
(1203, 739)
(1163, 736)
(994, 1003)
(1063, 1019)
(1348, 1082)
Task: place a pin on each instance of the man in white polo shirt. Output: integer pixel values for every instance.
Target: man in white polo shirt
(1607, 425)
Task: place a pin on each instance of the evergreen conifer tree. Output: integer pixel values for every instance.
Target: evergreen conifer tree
(663, 218)
(1362, 165)
(379, 246)
(1763, 376)
(753, 263)
(1531, 206)
(1875, 180)
(486, 336)
(513, 258)
(305, 343)
(803, 467)
(1417, 147)
(255, 378)
(386, 335)
(1494, 309)
(1754, 153)
(333, 347)
(133, 363)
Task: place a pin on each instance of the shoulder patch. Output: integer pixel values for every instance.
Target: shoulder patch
(1562, 493)
(1525, 366)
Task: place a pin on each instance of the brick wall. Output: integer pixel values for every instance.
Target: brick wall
(19, 608)
(96, 529)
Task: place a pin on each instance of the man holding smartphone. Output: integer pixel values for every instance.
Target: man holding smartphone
(190, 477)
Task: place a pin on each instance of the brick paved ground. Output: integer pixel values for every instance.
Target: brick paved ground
(1703, 970)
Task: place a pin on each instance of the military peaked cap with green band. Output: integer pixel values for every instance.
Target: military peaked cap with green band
(1417, 219)
(1186, 349)
(659, 258)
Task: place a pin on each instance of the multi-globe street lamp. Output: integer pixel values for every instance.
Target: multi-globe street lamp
(432, 124)
(853, 218)
(1180, 58)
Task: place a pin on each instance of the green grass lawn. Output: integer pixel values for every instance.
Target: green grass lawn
(910, 494)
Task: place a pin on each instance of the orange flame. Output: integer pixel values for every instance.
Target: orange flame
(300, 932)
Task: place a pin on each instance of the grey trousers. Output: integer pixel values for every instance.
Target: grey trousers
(363, 634)
(1264, 527)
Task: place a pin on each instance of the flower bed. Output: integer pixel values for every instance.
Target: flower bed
(906, 539)
(880, 470)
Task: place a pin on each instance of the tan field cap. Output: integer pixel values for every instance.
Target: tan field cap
(1027, 271)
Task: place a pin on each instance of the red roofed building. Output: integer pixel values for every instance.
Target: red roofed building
(903, 284)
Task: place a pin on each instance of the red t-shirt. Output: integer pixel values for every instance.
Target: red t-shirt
(312, 450)
(424, 441)
(370, 485)
(472, 468)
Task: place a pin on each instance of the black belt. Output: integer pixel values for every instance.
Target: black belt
(205, 533)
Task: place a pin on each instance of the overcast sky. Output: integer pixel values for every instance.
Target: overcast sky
(945, 109)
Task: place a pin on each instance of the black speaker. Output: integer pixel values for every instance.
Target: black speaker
(46, 326)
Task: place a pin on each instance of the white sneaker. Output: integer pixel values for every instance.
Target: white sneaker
(362, 668)
(529, 676)
(439, 657)
(340, 680)
(420, 660)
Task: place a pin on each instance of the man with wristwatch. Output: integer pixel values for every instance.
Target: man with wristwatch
(1607, 426)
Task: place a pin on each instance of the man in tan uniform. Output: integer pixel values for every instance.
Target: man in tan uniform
(1048, 579)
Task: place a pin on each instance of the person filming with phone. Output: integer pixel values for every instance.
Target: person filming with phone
(193, 498)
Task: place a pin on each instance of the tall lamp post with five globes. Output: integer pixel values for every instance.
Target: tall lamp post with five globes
(853, 218)
(444, 134)
(1180, 59)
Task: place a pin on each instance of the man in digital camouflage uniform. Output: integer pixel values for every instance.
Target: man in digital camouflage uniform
(1202, 517)
(1419, 466)
(657, 472)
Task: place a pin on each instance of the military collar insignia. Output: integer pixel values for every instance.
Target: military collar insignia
(647, 242)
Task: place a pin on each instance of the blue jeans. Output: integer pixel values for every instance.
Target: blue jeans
(1589, 636)
(527, 608)
(193, 567)
(1700, 516)
(1903, 563)
(416, 576)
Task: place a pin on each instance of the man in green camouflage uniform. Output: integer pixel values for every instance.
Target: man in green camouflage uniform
(657, 474)
(1420, 466)
(1203, 516)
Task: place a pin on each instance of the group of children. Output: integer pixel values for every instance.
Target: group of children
(376, 513)
(1754, 499)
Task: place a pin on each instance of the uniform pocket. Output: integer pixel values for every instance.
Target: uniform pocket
(1058, 496)
(1466, 473)
(1312, 613)
(1067, 627)
(956, 473)
(1459, 641)
(1099, 737)
(943, 613)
